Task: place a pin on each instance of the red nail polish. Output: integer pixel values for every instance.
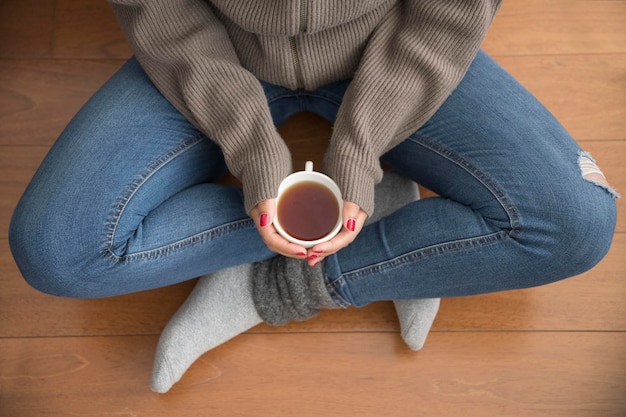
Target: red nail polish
(300, 254)
(351, 225)
(265, 219)
(310, 258)
(318, 251)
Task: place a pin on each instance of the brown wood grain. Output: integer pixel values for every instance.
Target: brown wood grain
(40, 97)
(586, 93)
(369, 374)
(100, 35)
(538, 27)
(26, 28)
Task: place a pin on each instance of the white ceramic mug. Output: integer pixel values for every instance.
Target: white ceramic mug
(308, 175)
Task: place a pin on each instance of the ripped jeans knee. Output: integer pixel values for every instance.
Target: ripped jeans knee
(592, 173)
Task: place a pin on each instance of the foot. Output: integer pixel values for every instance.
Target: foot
(219, 308)
(416, 316)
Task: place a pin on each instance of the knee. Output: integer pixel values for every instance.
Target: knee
(41, 256)
(594, 216)
(580, 233)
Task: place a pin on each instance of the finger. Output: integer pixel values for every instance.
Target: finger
(263, 213)
(263, 216)
(353, 220)
(314, 259)
(353, 217)
(343, 239)
(276, 243)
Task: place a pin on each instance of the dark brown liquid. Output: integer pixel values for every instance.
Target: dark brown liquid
(308, 211)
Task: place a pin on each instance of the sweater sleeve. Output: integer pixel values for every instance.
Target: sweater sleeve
(186, 52)
(415, 58)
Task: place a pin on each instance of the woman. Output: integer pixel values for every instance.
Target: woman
(126, 199)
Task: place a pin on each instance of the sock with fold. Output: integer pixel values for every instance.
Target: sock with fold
(219, 308)
(286, 289)
(416, 316)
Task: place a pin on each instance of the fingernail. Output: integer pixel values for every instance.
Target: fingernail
(312, 257)
(351, 225)
(300, 254)
(318, 251)
(265, 219)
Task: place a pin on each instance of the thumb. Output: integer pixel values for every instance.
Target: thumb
(353, 216)
(264, 212)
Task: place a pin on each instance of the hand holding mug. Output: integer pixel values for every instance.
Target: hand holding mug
(306, 217)
(263, 215)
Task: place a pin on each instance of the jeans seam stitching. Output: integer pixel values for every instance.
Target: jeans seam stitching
(335, 295)
(437, 249)
(128, 194)
(183, 243)
(496, 191)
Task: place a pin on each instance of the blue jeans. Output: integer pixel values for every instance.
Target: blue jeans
(126, 200)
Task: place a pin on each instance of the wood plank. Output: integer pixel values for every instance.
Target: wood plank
(307, 135)
(17, 167)
(38, 98)
(591, 301)
(26, 28)
(539, 27)
(483, 374)
(586, 93)
(88, 29)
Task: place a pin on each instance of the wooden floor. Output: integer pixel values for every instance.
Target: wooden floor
(558, 350)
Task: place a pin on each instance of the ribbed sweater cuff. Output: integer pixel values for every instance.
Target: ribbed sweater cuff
(262, 175)
(355, 181)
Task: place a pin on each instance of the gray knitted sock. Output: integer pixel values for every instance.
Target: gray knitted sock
(392, 193)
(416, 316)
(286, 289)
(219, 308)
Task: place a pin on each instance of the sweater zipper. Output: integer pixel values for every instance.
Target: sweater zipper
(297, 64)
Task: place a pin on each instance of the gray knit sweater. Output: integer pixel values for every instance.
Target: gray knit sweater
(404, 58)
